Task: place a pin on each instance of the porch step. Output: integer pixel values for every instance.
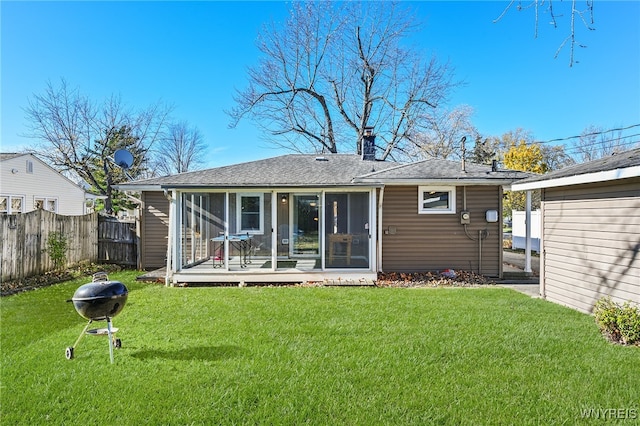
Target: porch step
(349, 283)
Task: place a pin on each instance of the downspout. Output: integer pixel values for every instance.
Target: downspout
(379, 260)
(167, 276)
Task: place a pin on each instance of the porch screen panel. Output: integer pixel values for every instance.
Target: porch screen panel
(195, 229)
(215, 224)
(347, 230)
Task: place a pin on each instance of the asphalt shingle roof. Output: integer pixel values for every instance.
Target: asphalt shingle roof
(303, 170)
(286, 170)
(439, 169)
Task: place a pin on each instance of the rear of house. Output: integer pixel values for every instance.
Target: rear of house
(310, 218)
(417, 241)
(591, 231)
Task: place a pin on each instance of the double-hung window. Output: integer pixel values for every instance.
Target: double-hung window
(436, 199)
(250, 213)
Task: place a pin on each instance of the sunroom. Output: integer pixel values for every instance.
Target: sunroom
(272, 235)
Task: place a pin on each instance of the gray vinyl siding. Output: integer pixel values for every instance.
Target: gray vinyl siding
(154, 229)
(591, 243)
(425, 242)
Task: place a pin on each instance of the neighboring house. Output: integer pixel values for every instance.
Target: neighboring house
(316, 217)
(590, 231)
(27, 183)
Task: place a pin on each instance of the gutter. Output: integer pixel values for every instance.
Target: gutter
(604, 176)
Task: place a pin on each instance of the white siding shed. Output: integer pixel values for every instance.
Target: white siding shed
(591, 231)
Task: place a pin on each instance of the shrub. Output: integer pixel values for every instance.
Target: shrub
(619, 323)
(57, 249)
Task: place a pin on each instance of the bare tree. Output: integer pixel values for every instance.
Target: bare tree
(443, 133)
(556, 157)
(181, 150)
(583, 14)
(334, 69)
(595, 143)
(79, 137)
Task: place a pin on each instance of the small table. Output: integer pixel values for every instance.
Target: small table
(243, 242)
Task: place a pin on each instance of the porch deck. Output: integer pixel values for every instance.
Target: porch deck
(259, 271)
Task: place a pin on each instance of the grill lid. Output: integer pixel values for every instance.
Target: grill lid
(99, 300)
(100, 290)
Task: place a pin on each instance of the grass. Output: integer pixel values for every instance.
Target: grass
(271, 355)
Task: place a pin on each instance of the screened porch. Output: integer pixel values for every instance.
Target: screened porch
(261, 232)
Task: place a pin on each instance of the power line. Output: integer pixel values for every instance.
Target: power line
(581, 148)
(601, 132)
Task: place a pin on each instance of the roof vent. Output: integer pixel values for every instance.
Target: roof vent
(322, 159)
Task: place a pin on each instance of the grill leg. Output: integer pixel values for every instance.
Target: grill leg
(82, 334)
(110, 339)
(69, 350)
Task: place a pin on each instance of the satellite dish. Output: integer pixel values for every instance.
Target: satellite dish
(123, 159)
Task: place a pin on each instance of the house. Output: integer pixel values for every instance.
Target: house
(590, 231)
(28, 183)
(316, 217)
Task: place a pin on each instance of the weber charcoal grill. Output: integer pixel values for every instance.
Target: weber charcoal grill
(99, 300)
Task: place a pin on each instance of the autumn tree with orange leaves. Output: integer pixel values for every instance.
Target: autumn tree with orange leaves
(525, 158)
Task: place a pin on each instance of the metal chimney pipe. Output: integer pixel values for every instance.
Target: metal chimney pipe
(464, 166)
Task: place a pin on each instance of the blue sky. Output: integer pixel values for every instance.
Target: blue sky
(194, 54)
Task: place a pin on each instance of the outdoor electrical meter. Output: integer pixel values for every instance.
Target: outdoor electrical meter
(491, 216)
(465, 217)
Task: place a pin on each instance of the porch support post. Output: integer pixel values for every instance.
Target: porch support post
(379, 229)
(171, 237)
(226, 231)
(527, 224)
(274, 230)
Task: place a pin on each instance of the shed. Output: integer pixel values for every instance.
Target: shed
(590, 231)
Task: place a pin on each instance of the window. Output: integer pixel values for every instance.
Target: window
(11, 204)
(45, 203)
(250, 213)
(436, 200)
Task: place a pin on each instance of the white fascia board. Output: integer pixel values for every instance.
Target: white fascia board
(604, 176)
(137, 188)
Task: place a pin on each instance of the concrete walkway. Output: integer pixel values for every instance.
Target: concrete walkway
(514, 261)
(515, 277)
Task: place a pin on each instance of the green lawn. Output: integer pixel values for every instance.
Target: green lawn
(311, 355)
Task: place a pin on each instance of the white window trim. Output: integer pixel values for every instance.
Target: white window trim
(45, 201)
(9, 209)
(452, 199)
(239, 196)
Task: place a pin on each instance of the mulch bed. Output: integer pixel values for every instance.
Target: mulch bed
(8, 288)
(432, 279)
(385, 279)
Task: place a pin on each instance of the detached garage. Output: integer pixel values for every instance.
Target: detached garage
(590, 231)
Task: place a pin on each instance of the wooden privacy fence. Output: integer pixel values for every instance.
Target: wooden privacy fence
(24, 238)
(117, 241)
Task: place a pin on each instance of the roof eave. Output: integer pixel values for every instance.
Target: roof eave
(444, 181)
(139, 188)
(603, 176)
